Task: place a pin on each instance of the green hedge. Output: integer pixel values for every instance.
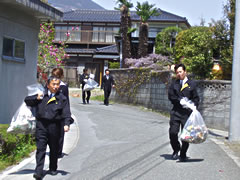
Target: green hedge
(14, 147)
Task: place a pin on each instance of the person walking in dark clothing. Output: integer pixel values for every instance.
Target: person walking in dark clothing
(107, 84)
(179, 88)
(52, 108)
(83, 80)
(58, 72)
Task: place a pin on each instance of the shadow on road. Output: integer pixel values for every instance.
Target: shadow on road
(24, 171)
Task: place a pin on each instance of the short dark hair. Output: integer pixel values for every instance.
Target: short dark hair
(178, 66)
(50, 78)
(85, 70)
(106, 70)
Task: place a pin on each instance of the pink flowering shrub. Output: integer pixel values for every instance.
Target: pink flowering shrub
(153, 61)
(50, 54)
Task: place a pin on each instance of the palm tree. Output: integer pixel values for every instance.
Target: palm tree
(145, 11)
(125, 28)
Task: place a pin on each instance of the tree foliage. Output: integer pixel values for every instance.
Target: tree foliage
(49, 54)
(165, 41)
(194, 49)
(153, 61)
(124, 7)
(145, 11)
(229, 12)
(222, 49)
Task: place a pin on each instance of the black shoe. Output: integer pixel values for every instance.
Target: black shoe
(53, 173)
(183, 159)
(60, 155)
(87, 101)
(175, 155)
(37, 177)
(84, 102)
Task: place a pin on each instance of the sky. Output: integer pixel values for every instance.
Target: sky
(193, 10)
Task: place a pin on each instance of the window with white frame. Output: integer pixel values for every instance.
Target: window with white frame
(61, 32)
(13, 49)
(104, 34)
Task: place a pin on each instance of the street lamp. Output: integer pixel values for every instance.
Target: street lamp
(216, 65)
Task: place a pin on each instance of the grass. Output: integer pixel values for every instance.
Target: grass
(14, 147)
(98, 98)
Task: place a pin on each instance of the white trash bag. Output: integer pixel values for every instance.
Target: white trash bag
(91, 84)
(195, 130)
(24, 120)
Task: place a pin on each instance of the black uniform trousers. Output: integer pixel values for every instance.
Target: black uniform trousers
(84, 95)
(107, 92)
(177, 121)
(61, 139)
(47, 133)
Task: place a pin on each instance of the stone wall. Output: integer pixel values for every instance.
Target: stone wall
(214, 96)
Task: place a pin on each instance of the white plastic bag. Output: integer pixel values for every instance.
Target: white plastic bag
(24, 120)
(35, 89)
(90, 85)
(195, 130)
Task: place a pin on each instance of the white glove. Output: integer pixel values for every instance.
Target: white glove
(85, 80)
(186, 103)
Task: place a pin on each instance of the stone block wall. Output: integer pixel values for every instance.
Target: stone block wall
(215, 96)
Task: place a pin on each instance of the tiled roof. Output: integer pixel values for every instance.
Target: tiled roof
(79, 50)
(67, 5)
(90, 15)
(35, 8)
(108, 49)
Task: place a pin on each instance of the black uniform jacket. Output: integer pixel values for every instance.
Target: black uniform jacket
(82, 77)
(64, 89)
(176, 92)
(107, 83)
(54, 109)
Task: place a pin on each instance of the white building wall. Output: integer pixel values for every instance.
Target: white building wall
(15, 76)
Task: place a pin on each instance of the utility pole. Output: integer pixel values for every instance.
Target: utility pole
(234, 127)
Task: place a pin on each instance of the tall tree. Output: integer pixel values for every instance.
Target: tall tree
(165, 41)
(229, 12)
(145, 11)
(124, 7)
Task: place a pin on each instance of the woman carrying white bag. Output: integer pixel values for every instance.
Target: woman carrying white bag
(24, 120)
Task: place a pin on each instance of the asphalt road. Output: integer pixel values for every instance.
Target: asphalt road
(122, 142)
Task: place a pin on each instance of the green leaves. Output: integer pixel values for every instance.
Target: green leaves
(50, 54)
(194, 49)
(145, 11)
(165, 40)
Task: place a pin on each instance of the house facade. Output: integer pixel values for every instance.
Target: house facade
(92, 42)
(19, 27)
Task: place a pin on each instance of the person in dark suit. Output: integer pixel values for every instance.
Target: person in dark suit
(179, 88)
(51, 109)
(107, 84)
(58, 72)
(83, 80)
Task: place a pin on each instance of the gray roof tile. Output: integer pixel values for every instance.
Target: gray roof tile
(108, 49)
(91, 15)
(79, 50)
